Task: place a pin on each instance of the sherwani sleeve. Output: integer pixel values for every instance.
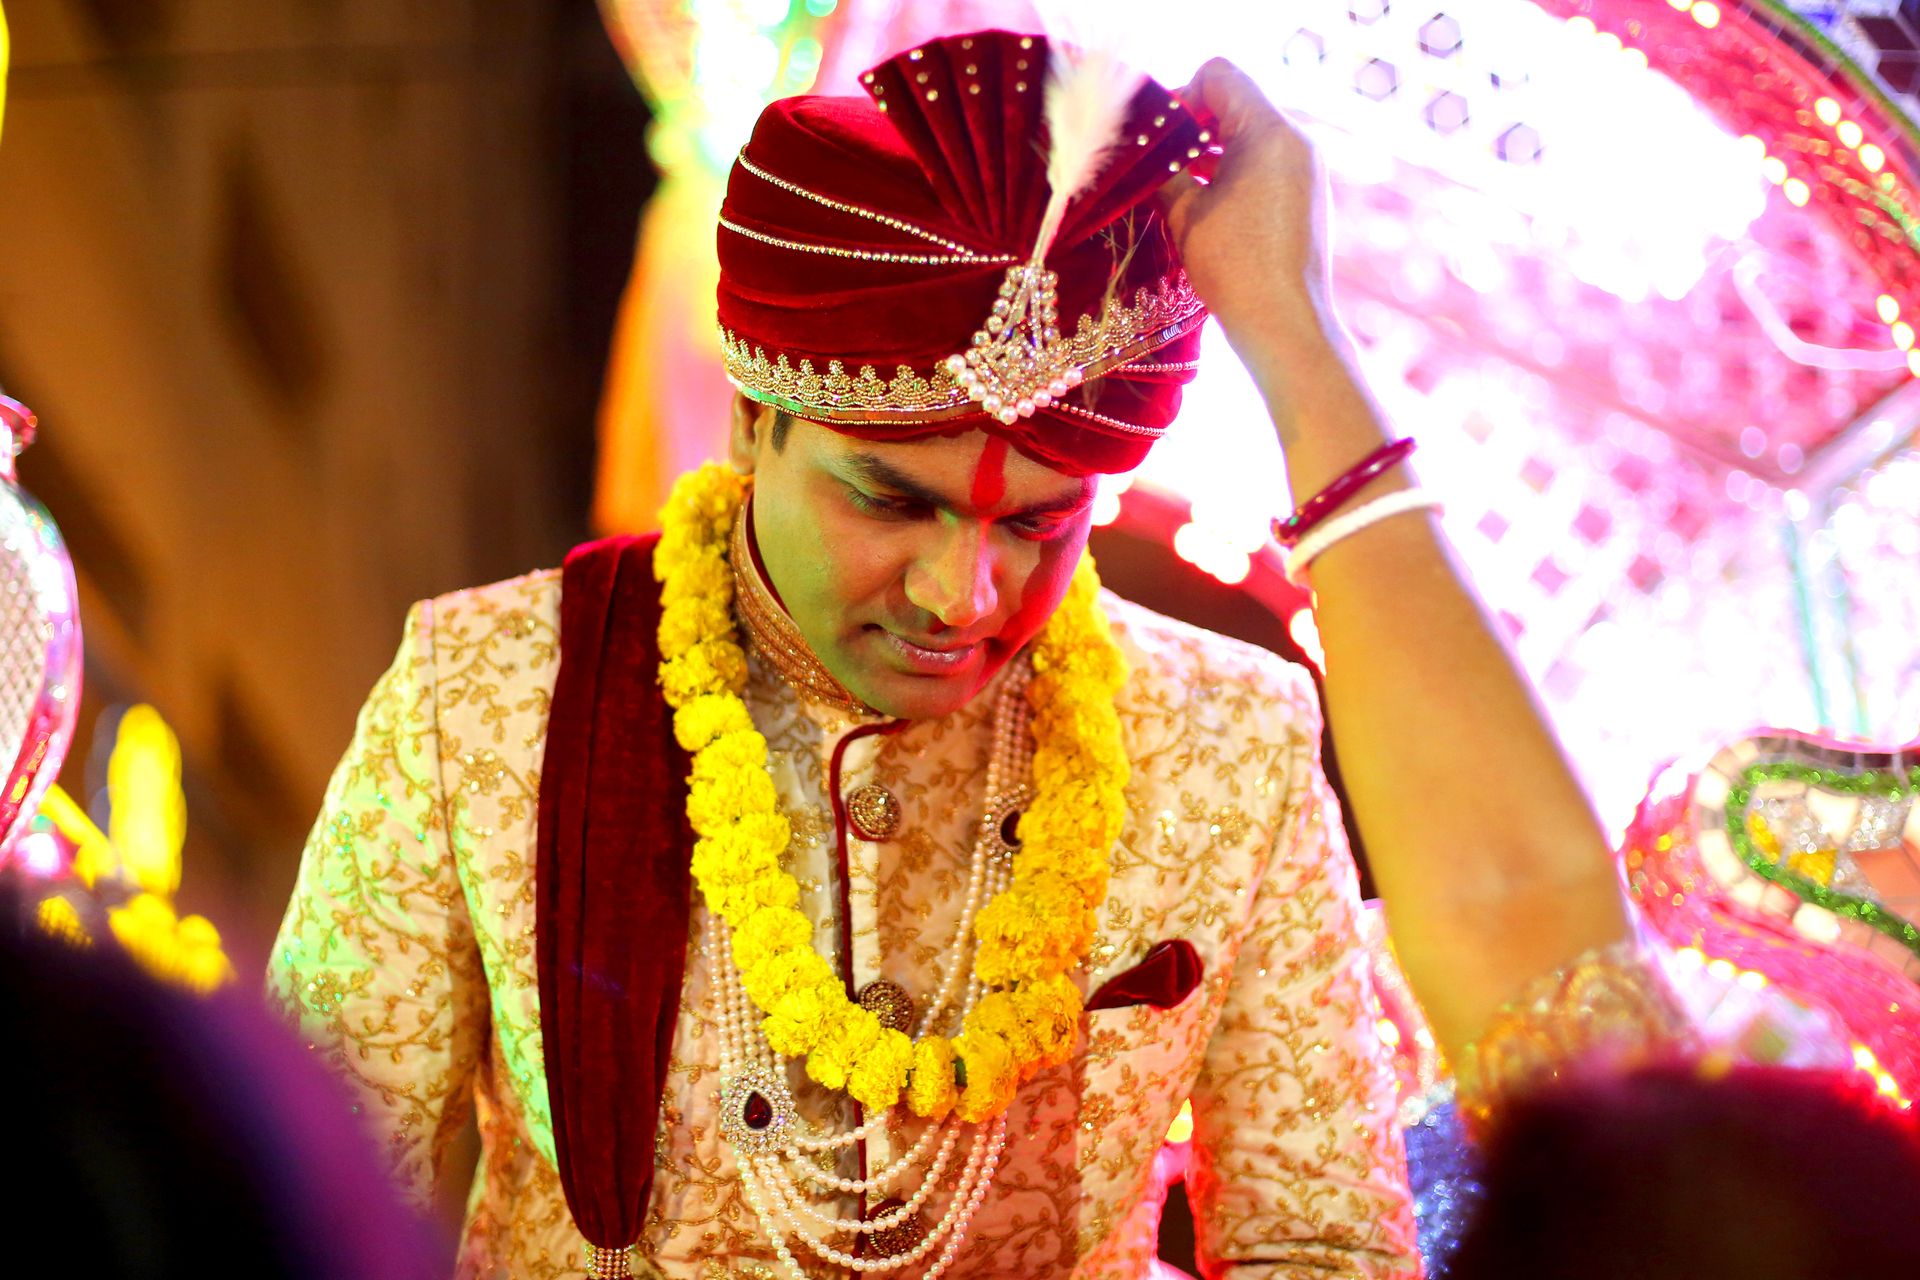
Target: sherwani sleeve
(1298, 1169)
(375, 960)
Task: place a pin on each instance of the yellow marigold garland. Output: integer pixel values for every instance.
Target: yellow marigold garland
(1029, 937)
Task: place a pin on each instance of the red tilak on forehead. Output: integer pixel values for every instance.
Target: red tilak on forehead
(990, 474)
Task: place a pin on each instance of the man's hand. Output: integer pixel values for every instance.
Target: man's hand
(1253, 238)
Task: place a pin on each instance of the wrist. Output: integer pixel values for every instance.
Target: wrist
(1287, 331)
(1320, 408)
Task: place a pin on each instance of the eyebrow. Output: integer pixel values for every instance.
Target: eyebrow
(870, 470)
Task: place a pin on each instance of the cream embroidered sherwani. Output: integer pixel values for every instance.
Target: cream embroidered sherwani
(407, 955)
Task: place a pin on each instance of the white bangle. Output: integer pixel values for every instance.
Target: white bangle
(1348, 523)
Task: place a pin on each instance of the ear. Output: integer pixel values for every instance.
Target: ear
(751, 431)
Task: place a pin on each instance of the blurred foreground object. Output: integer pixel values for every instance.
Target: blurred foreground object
(92, 882)
(1675, 1174)
(160, 1133)
(124, 880)
(1792, 861)
(39, 640)
(3, 64)
(1778, 887)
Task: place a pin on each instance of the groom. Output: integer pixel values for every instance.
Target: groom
(974, 873)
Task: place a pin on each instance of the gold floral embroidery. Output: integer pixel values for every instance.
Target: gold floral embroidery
(482, 772)
(374, 960)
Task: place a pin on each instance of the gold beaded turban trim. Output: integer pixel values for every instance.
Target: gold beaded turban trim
(1113, 343)
(894, 265)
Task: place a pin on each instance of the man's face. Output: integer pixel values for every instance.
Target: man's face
(914, 570)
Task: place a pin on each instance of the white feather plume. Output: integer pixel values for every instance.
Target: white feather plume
(1088, 92)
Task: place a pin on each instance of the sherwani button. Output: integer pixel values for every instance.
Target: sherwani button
(889, 1002)
(874, 812)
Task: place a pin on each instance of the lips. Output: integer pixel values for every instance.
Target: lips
(931, 659)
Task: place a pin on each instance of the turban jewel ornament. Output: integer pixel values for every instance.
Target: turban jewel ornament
(972, 245)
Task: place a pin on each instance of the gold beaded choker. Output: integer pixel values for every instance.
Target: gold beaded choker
(774, 634)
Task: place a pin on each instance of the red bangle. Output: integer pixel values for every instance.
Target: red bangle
(1289, 531)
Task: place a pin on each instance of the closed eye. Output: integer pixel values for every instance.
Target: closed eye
(1035, 526)
(1038, 527)
(882, 506)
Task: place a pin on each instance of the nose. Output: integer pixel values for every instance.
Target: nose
(955, 583)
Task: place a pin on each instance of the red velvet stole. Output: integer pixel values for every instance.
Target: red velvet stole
(611, 885)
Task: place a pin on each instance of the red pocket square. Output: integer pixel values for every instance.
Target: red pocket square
(1164, 977)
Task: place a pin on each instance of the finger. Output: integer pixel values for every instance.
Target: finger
(1189, 96)
(1176, 196)
(1231, 97)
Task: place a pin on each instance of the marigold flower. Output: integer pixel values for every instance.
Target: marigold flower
(747, 850)
(735, 902)
(881, 1072)
(991, 1078)
(1051, 1009)
(702, 576)
(771, 979)
(717, 866)
(687, 622)
(803, 1017)
(850, 1034)
(999, 1014)
(702, 719)
(740, 749)
(770, 931)
(713, 804)
(931, 1091)
(712, 666)
(756, 836)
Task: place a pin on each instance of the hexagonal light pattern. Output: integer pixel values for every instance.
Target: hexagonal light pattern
(1376, 79)
(1519, 144)
(1447, 112)
(1304, 48)
(1628, 356)
(1440, 36)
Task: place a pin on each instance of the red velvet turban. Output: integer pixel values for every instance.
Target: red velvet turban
(864, 244)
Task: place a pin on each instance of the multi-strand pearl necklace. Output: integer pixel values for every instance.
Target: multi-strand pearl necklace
(773, 1155)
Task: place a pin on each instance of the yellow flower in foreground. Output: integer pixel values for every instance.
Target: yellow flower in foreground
(802, 1017)
(714, 804)
(991, 1076)
(58, 918)
(850, 1034)
(684, 622)
(769, 933)
(770, 976)
(735, 902)
(712, 666)
(931, 1091)
(731, 752)
(186, 951)
(881, 1072)
(702, 719)
(702, 577)
(1052, 1008)
(999, 1015)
